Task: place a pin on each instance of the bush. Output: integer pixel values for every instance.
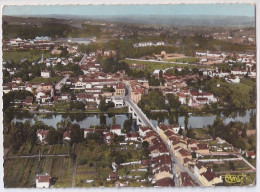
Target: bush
(82, 160)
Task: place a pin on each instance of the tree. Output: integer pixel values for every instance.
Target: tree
(190, 133)
(145, 145)
(118, 159)
(102, 119)
(127, 125)
(180, 132)
(77, 105)
(114, 120)
(102, 104)
(244, 134)
(173, 100)
(52, 137)
(160, 74)
(186, 121)
(76, 134)
(153, 81)
(145, 153)
(65, 89)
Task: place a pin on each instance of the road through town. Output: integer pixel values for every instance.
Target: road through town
(147, 122)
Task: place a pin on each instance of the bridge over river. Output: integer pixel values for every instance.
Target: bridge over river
(142, 119)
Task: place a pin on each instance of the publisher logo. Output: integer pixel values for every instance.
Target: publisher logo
(234, 178)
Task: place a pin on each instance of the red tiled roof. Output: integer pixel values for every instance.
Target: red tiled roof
(131, 135)
(199, 165)
(209, 175)
(66, 134)
(42, 132)
(28, 100)
(42, 178)
(184, 152)
(143, 128)
(202, 146)
(113, 176)
(115, 127)
(250, 153)
(165, 182)
(146, 162)
(187, 180)
(120, 86)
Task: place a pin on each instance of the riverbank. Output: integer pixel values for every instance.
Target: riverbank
(123, 110)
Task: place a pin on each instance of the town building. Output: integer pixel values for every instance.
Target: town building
(42, 181)
(46, 74)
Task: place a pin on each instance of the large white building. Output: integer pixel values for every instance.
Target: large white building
(118, 101)
(45, 74)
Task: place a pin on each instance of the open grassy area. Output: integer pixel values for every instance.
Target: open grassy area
(226, 166)
(201, 134)
(31, 55)
(117, 110)
(93, 162)
(185, 60)
(20, 172)
(46, 80)
(25, 150)
(150, 66)
(245, 85)
(61, 168)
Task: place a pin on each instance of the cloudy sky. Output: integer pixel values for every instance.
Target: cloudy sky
(181, 9)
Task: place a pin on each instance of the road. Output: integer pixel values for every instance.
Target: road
(147, 122)
(82, 59)
(62, 81)
(74, 167)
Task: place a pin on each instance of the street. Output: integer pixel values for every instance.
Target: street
(146, 121)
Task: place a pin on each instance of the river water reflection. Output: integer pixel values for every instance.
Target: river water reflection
(87, 120)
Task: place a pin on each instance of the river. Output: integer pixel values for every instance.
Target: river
(196, 120)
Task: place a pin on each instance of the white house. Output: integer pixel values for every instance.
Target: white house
(45, 74)
(41, 134)
(131, 137)
(115, 129)
(66, 136)
(160, 43)
(143, 130)
(118, 101)
(175, 128)
(235, 79)
(42, 181)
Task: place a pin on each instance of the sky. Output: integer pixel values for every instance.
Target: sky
(110, 10)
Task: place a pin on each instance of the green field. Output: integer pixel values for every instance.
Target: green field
(93, 162)
(150, 66)
(20, 172)
(201, 134)
(117, 110)
(46, 80)
(185, 60)
(31, 55)
(23, 170)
